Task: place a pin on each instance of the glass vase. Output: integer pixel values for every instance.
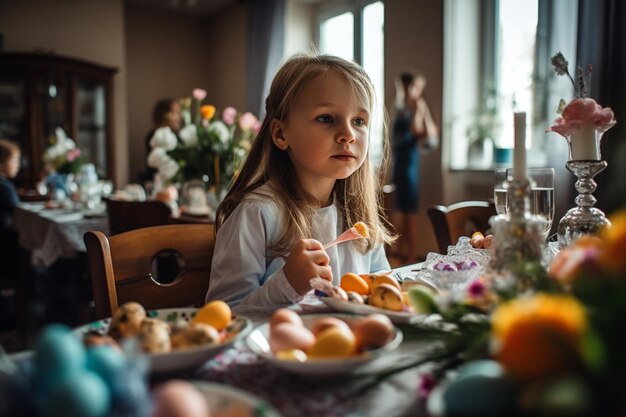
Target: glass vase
(583, 219)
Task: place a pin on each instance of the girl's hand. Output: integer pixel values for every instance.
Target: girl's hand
(307, 260)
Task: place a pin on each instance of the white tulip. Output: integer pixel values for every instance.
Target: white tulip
(223, 134)
(168, 169)
(189, 135)
(157, 157)
(164, 138)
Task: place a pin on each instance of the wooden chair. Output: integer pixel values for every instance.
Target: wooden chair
(459, 219)
(130, 215)
(122, 267)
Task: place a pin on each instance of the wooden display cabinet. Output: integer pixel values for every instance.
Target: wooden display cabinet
(40, 92)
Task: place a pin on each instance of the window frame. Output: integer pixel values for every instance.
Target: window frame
(482, 21)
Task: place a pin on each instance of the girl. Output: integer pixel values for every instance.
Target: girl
(307, 178)
(9, 167)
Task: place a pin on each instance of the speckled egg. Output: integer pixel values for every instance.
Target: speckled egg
(154, 336)
(126, 321)
(194, 335)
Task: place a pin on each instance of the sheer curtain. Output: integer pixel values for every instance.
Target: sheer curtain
(266, 38)
(602, 43)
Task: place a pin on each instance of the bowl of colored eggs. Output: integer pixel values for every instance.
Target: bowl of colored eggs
(322, 344)
(172, 339)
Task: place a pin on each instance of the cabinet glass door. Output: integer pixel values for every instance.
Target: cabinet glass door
(14, 119)
(91, 123)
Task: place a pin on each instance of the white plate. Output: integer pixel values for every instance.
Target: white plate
(258, 342)
(397, 317)
(227, 401)
(184, 358)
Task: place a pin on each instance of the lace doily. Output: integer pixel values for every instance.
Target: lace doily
(457, 268)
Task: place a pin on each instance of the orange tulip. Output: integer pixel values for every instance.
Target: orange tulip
(207, 111)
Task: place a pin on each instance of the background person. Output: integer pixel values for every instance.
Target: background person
(413, 130)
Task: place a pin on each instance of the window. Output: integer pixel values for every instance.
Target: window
(344, 30)
(497, 56)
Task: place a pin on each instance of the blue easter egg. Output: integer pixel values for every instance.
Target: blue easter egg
(58, 353)
(480, 395)
(81, 394)
(107, 362)
(484, 367)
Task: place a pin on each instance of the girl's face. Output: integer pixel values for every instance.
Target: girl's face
(325, 132)
(11, 167)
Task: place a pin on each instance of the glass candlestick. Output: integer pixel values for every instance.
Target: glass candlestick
(518, 234)
(583, 219)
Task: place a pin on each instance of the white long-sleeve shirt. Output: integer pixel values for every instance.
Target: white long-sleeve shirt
(245, 273)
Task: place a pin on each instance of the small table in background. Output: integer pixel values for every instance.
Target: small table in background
(54, 282)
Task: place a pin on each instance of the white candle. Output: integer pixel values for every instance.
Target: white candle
(519, 151)
(585, 144)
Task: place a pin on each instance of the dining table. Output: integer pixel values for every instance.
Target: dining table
(382, 388)
(379, 388)
(54, 282)
(51, 233)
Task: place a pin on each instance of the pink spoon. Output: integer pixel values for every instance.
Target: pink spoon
(358, 231)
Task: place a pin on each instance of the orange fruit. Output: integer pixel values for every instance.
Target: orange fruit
(216, 313)
(353, 282)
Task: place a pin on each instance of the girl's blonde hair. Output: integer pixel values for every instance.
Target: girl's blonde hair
(358, 197)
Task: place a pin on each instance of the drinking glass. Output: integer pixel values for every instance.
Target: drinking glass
(499, 190)
(541, 194)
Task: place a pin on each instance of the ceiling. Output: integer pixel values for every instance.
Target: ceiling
(197, 8)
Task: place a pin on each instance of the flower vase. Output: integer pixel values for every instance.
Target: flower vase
(215, 196)
(194, 200)
(585, 163)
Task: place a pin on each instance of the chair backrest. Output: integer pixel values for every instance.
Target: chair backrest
(130, 215)
(459, 219)
(122, 267)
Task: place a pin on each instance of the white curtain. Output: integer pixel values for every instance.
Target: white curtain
(266, 38)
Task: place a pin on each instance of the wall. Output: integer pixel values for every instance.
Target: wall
(89, 30)
(414, 40)
(168, 55)
(225, 57)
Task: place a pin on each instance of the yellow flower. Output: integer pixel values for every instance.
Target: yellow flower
(612, 255)
(539, 336)
(207, 111)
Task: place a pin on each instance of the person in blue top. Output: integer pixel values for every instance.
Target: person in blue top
(413, 130)
(307, 178)
(9, 167)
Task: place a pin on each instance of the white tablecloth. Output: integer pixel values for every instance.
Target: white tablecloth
(50, 234)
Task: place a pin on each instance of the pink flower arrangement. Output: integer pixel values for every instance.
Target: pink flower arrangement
(582, 121)
(580, 112)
